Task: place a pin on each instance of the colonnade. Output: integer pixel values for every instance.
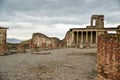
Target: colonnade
(82, 37)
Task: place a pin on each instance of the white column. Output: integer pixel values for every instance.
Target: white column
(91, 37)
(77, 37)
(81, 36)
(86, 36)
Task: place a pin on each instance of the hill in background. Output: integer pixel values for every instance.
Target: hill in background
(13, 40)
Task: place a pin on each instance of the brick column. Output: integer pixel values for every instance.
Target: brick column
(108, 55)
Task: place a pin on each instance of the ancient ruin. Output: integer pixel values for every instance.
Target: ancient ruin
(69, 61)
(84, 37)
(3, 45)
(21, 48)
(75, 37)
(108, 56)
(40, 40)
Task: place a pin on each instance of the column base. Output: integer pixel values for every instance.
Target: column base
(81, 46)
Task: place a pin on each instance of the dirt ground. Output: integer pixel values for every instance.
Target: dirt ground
(61, 64)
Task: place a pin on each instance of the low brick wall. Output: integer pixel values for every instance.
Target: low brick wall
(108, 57)
(3, 49)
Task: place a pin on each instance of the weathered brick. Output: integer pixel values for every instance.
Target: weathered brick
(108, 57)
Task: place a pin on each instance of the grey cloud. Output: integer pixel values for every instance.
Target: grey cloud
(29, 5)
(57, 11)
(28, 16)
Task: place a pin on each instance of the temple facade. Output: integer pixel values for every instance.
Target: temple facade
(80, 37)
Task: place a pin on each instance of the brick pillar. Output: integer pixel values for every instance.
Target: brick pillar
(108, 57)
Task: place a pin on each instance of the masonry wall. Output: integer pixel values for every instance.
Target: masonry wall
(2, 36)
(3, 45)
(40, 40)
(108, 57)
(68, 40)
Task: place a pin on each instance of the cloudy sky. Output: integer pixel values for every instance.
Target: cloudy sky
(54, 17)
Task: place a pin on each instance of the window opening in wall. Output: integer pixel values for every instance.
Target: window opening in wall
(94, 22)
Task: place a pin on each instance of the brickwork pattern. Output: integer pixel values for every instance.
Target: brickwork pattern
(108, 57)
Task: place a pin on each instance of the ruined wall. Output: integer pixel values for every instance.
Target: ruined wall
(43, 41)
(108, 57)
(68, 40)
(2, 36)
(27, 43)
(55, 42)
(3, 45)
(98, 21)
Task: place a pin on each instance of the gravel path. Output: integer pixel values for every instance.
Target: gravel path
(61, 64)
